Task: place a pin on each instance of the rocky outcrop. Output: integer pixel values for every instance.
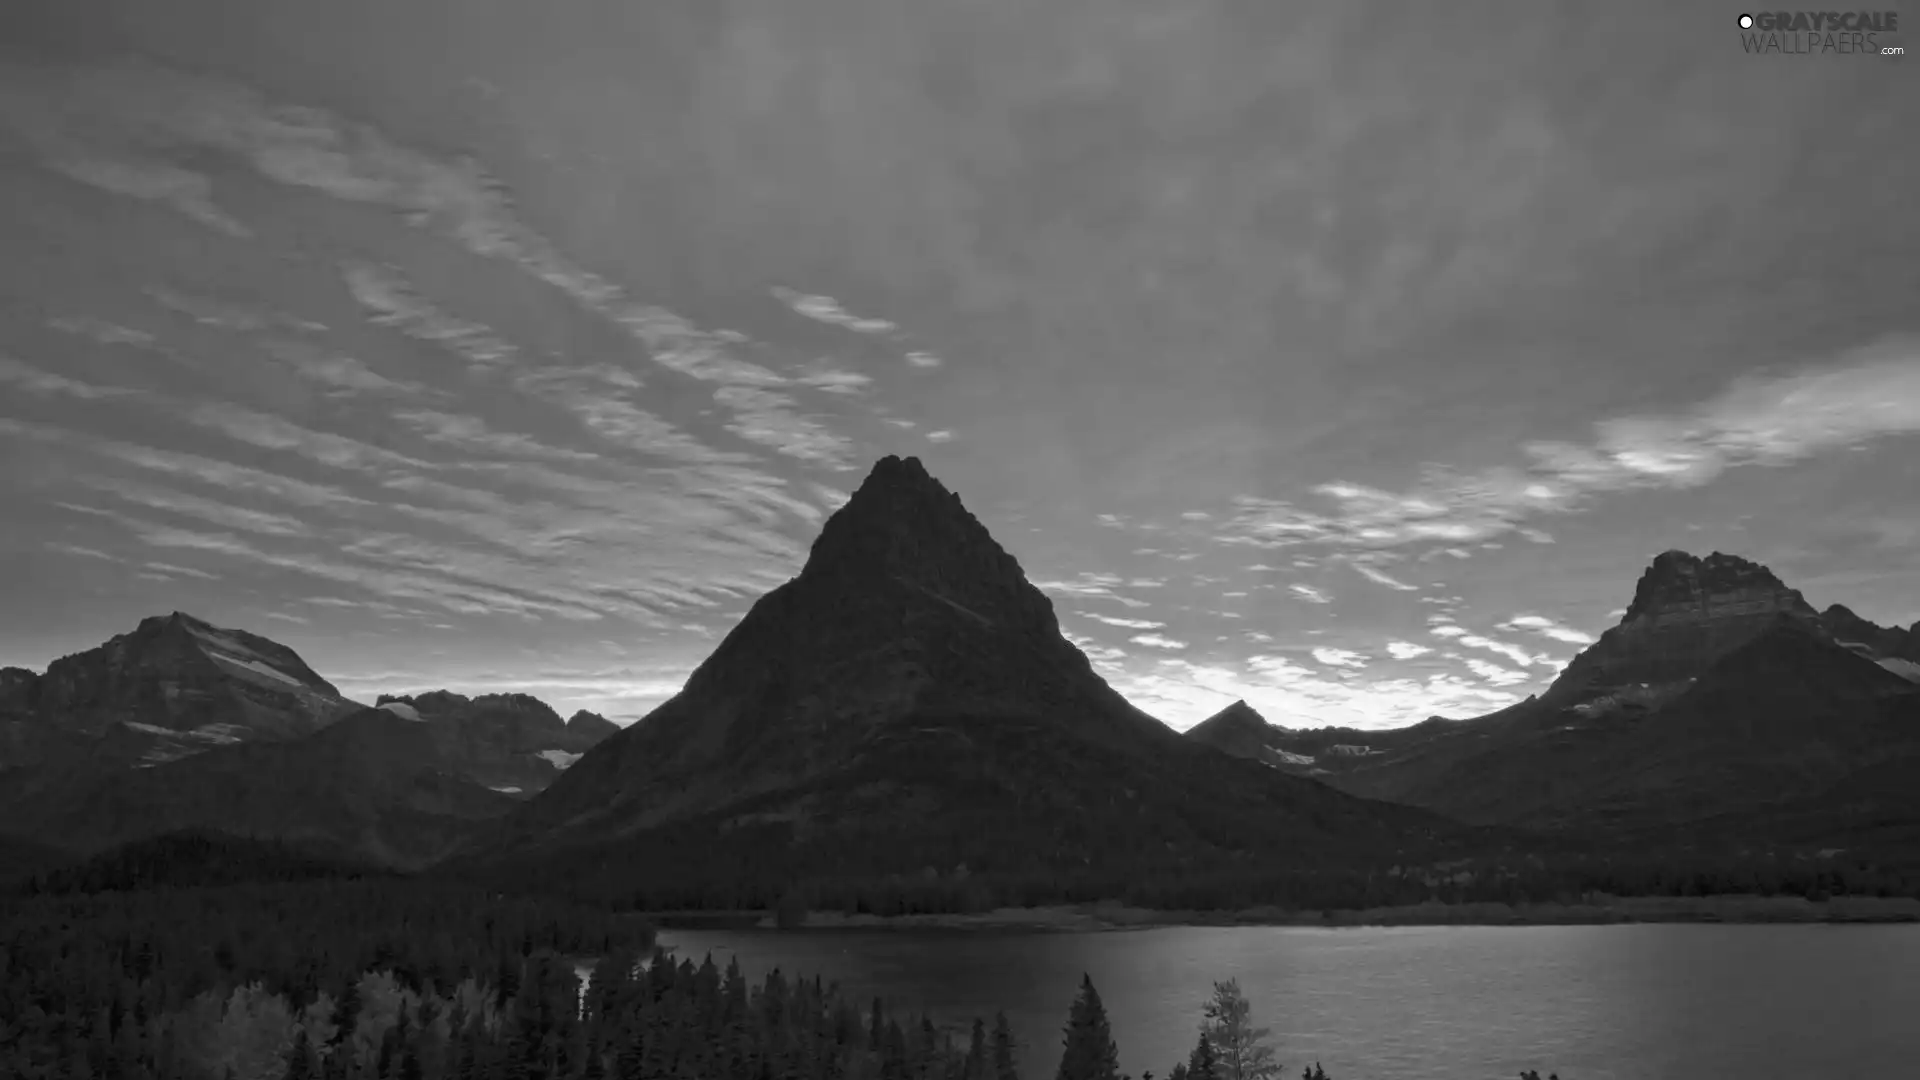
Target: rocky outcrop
(1686, 613)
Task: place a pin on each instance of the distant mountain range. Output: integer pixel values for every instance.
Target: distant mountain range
(181, 725)
(1722, 708)
(906, 714)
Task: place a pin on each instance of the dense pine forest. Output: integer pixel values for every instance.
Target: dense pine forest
(156, 962)
(763, 877)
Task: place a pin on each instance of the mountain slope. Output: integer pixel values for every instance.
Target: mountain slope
(179, 683)
(1241, 731)
(1722, 705)
(369, 786)
(908, 705)
(513, 743)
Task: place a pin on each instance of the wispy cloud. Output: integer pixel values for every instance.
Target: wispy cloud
(1382, 578)
(1406, 650)
(472, 434)
(340, 374)
(1872, 392)
(188, 192)
(391, 300)
(1340, 658)
(81, 551)
(1310, 594)
(828, 310)
(32, 380)
(1130, 624)
(100, 331)
(1088, 584)
(176, 570)
(1157, 641)
(1546, 627)
(1494, 673)
(1461, 635)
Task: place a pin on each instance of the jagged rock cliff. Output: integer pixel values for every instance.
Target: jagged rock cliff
(513, 743)
(1686, 613)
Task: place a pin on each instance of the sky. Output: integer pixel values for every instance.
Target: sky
(1352, 359)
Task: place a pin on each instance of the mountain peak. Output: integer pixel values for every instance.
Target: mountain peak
(1686, 612)
(897, 519)
(907, 612)
(1677, 576)
(175, 620)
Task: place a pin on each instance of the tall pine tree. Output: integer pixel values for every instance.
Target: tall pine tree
(1004, 1067)
(1089, 1052)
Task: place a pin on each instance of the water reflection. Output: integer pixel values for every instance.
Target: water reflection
(1415, 1003)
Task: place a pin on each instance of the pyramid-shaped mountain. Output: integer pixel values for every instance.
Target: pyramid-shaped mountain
(1237, 729)
(907, 704)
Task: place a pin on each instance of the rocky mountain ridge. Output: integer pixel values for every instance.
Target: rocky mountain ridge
(182, 724)
(175, 685)
(1721, 688)
(513, 743)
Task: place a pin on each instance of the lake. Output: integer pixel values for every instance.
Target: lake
(1622, 1002)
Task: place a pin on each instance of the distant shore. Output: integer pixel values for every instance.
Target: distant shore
(1112, 916)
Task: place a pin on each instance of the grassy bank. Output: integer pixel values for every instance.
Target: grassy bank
(1605, 909)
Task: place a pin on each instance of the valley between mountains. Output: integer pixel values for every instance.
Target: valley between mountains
(902, 728)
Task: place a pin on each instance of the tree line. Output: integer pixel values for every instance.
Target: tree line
(396, 981)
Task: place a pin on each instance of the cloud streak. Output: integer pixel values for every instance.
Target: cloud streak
(1868, 393)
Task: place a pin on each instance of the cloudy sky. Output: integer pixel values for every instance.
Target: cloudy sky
(1349, 361)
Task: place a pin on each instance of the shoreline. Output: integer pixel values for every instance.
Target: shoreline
(1110, 917)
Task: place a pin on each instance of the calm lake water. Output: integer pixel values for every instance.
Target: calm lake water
(1641, 1002)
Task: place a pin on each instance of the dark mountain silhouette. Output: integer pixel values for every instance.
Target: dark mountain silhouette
(591, 726)
(1241, 731)
(1895, 649)
(513, 743)
(371, 786)
(178, 684)
(1686, 613)
(1721, 706)
(907, 705)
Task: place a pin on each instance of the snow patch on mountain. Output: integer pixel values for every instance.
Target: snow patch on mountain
(1906, 669)
(211, 636)
(507, 790)
(255, 667)
(404, 711)
(559, 759)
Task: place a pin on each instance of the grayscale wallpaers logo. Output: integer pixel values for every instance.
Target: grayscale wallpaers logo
(1820, 33)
